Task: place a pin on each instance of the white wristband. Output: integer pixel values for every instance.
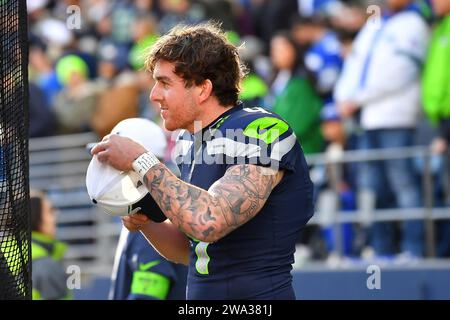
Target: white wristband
(144, 163)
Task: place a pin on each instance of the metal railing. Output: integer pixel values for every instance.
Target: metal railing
(330, 214)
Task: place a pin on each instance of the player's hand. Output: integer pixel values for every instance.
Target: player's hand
(118, 152)
(135, 221)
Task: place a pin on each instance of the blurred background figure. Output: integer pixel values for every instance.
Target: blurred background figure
(436, 102)
(270, 16)
(75, 104)
(49, 277)
(180, 11)
(145, 34)
(42, 71)
(42, 118)
(254, 87)
(436, 84)
(140, 272)
(393, 49)
(323, 63)
(294, 98)
(117, 90)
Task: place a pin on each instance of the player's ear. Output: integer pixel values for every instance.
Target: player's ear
(205, 90)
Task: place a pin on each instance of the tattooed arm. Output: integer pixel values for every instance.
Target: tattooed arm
(210, 215)
(206, 215)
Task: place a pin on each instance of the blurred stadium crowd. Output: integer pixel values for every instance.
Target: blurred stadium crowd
(318, 63)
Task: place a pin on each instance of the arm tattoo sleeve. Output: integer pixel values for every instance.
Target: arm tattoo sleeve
(209, 215)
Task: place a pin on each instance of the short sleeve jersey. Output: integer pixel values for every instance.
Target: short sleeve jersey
(254, 261)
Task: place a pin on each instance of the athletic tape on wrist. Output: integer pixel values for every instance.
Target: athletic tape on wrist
(144, 163)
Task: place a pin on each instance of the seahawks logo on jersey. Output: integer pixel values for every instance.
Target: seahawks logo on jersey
(267, 129)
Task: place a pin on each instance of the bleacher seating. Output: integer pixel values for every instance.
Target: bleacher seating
(58, 166)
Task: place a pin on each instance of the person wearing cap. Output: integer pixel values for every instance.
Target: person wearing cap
(139, 271)
(75, 104)
(244, 194)
(49, 277)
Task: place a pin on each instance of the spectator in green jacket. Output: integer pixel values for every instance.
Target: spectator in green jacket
(436, 77)
(436, 100)
(48, 275)
(295, 98)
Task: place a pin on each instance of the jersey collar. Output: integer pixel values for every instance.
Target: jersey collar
(220, 119)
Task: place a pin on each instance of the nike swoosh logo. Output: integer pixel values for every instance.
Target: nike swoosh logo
(264, 130)
(148, 265)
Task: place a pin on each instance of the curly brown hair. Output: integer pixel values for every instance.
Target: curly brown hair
(199, 53)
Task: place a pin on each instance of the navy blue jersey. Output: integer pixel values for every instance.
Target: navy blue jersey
(254, 261)
(140, 273)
